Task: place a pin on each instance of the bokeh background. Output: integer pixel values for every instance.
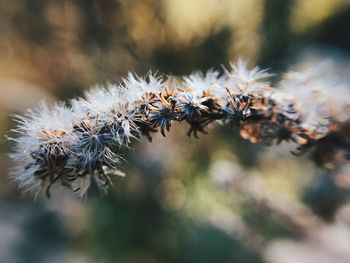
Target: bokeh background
(215, 199)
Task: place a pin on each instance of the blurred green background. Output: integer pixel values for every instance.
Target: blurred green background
(216, 199)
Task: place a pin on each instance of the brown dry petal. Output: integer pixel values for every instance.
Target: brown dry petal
(263, 131)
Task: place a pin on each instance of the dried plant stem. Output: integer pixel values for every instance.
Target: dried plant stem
(78, 145)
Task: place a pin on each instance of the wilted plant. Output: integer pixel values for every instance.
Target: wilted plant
(78, 145)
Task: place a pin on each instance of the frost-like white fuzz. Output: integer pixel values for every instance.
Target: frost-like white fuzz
(79, 146)
(48, 129)
(247, 80)
(198, 88)
(199, 83)
(100, 100)
(135, 89)
(41, 132)
(320, 98)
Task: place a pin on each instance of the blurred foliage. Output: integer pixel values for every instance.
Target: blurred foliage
(182, 200)
(159, 236)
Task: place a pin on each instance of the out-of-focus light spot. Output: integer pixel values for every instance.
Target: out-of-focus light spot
(192, 21)
(342, 177)
(224, 172)
(311, 12)
(19, 95)
(193, 18)
(172, 194)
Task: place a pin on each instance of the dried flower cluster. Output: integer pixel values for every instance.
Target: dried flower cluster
(78, 145)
